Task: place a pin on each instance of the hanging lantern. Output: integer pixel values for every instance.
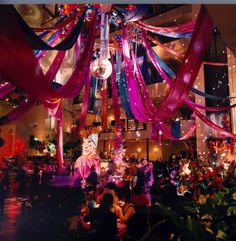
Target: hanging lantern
(101, 69)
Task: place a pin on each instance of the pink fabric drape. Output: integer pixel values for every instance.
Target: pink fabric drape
(189, 69)
(104, 93)
(84, 110)
(179, 88)
(58, 25)
(184, 80)
(185, 27)
(171, 51)
(115, 103)
(168, 134)
(19, 66)
(150, 106)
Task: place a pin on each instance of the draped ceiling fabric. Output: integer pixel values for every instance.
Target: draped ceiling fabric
(20, 68)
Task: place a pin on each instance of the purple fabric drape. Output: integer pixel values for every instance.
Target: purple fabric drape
(182, 84)
(150, 106)
(84, 110)
(5, 89)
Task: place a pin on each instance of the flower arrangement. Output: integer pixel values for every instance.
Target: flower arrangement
(199, 177)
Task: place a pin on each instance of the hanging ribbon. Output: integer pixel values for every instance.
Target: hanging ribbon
(160, 66)
(170, 136)
(171, 51)
(60, 24)
(20, 67)
(115, 103)
(141, 112)
(84, 110)
(104, 93)
(50, 41)
(120, 78)
(37, 43)
(180, 31)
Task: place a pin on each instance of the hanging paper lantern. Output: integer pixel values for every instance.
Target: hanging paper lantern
(101, 69)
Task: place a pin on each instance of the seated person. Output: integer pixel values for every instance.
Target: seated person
(104, 220)
(139, 198)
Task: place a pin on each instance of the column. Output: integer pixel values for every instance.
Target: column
(147, 148)
(201, 131)
(232, 86)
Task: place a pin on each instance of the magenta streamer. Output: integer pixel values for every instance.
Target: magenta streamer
(84, 110)
(219, 129)
(189, 68)
(58, 25)
(185, 27)
(5, 89)
(168, 134)
(104, 93)
(51, 73)
(20, 67)
(213, 109)
(192, 62)
(169, 81)
(179, 55)
(116, 106)
(136, 103)
(151, 107)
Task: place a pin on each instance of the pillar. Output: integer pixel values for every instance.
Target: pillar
(232, 87)
(201, 130)
(147, 148)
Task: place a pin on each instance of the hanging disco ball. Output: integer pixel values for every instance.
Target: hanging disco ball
(101, 69)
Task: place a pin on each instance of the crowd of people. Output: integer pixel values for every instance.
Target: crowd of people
(108, 207)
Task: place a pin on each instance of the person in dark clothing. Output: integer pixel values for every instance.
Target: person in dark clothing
(104, 220)
(4, 186)
(135, 218)
(92, 181)
(23, 180)
(34, 184)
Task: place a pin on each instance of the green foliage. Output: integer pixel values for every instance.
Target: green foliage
(213, 220)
